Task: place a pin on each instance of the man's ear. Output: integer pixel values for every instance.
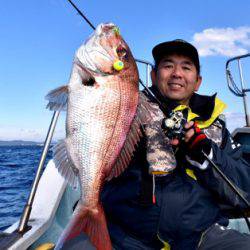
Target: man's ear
(153, 76)
(198, 83)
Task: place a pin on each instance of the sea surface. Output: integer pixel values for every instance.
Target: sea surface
(18, 166)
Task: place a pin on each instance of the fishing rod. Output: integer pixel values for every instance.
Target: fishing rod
(236, 190)
(214, 166)
(232, 186)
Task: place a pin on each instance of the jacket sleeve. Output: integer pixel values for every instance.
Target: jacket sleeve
(228, 157)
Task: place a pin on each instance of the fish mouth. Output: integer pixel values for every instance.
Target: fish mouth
(105, 28)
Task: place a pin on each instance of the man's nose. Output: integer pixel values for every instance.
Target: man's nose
(177, 72)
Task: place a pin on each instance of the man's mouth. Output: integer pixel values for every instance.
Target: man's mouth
(175, 85)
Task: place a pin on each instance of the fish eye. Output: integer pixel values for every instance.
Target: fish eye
(121, 51)
(90, 82)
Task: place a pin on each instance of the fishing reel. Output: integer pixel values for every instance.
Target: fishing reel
(173, 125)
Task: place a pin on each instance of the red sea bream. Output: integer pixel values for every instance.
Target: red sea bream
(101, 129)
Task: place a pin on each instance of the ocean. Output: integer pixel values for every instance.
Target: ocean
(18, 166)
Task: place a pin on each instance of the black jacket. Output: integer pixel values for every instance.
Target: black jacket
(185, 206)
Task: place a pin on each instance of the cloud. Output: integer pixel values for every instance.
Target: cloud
(234, 120)
(222, 41)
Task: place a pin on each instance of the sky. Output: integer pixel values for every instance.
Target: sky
(39, 39)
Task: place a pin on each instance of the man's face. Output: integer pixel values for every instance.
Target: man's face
(176, 78)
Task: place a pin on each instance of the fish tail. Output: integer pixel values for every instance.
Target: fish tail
(90, 223)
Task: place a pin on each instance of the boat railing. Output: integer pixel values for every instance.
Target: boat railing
(27, 209)
(149, 67)
(242, 90)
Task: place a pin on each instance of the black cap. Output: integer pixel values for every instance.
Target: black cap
(177, 46)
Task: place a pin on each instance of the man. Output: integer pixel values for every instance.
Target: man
(170, 195)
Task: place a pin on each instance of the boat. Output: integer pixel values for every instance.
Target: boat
(52, 201)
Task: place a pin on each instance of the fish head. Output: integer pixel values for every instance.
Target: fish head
(103, 48)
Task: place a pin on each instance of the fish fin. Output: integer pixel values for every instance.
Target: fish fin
(143, 116)
(90, 222)
(57, 98)
(128, 149)
(64, 164)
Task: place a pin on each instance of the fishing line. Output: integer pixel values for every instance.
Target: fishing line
(82, 15)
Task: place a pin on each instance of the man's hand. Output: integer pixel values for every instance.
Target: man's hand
(189, 127)
(194, 143)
